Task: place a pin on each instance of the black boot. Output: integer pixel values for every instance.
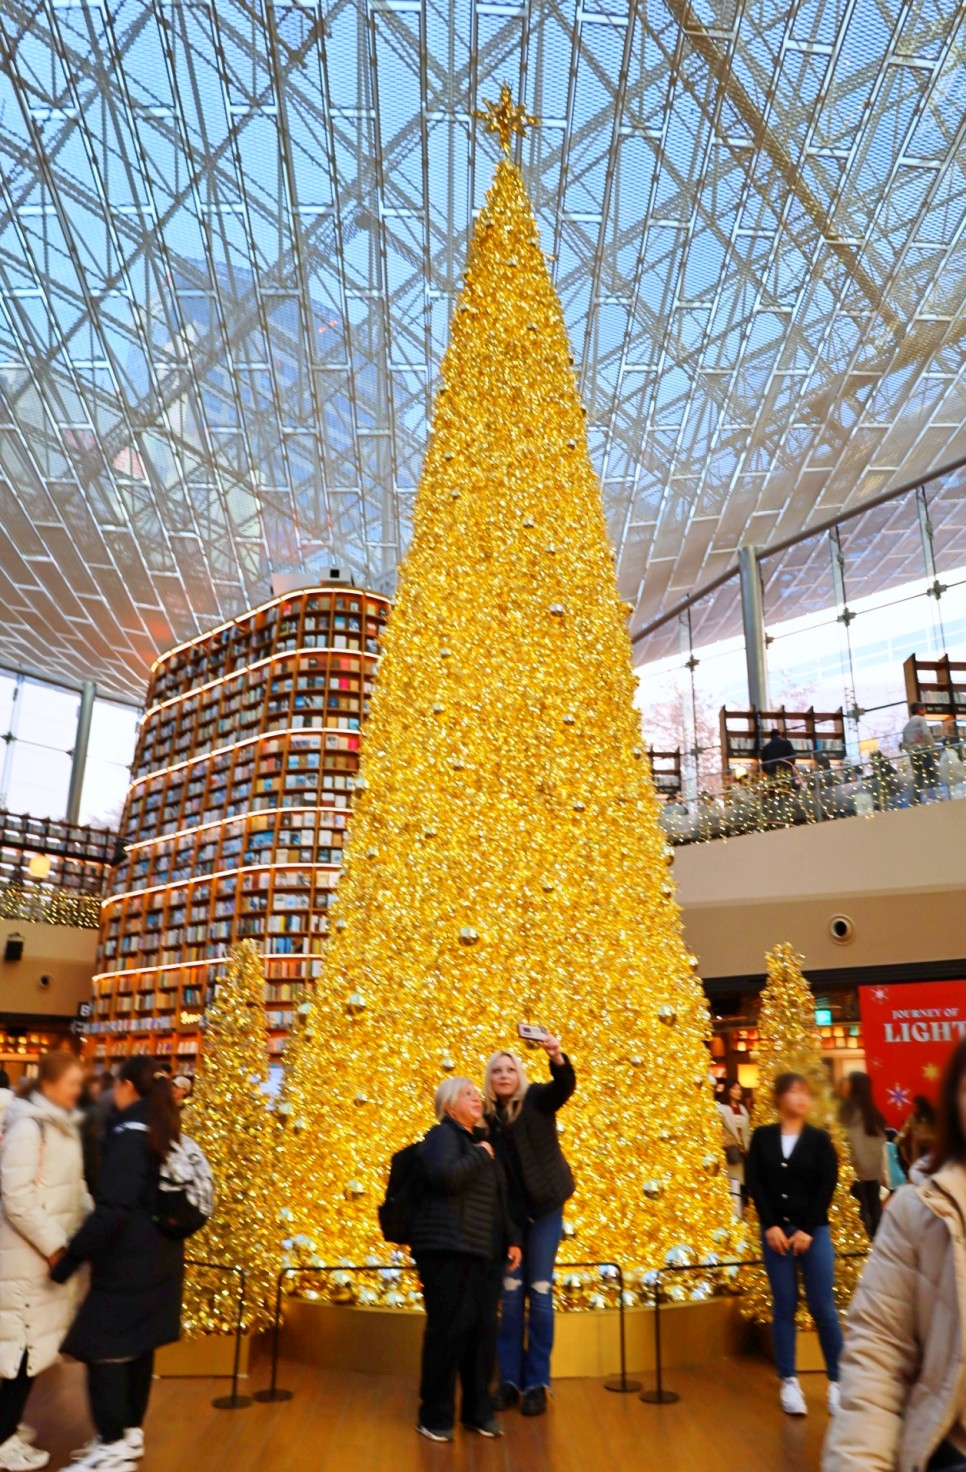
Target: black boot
(506, 1398)
(534, 1401)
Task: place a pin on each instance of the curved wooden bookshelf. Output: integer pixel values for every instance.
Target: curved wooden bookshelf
(234, 821)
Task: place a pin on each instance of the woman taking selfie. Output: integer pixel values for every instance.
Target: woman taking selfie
(461, 1239)
(523, 1124)
(792, 1172)
(904, 1368)
(134, 1303)
(43, 1201)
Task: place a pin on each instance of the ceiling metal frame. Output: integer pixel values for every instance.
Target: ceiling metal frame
(231, 235)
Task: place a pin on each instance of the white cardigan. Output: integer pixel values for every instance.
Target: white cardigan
(43, 1200)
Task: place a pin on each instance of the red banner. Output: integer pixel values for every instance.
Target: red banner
(908, 1032)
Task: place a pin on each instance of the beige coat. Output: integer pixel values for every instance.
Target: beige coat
(43, 1201)
(904, 1366)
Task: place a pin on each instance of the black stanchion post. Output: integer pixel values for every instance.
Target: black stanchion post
(273, 1393)
(236, 1402)
(620, 1382)
(658, 1396)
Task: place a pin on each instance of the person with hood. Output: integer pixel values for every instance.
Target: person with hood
(903, 1372)
(43, 1201)
(134, 1303)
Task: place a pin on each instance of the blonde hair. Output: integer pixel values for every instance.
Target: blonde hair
(447, 1093)
(515, 1102)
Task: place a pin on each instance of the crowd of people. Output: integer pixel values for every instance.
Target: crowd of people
(85, 1269)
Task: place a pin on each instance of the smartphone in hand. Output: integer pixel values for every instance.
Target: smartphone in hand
(531, 1032)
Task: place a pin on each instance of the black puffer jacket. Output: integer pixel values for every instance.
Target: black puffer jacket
(462, 1197)
(539, 1178)
(134, 1303)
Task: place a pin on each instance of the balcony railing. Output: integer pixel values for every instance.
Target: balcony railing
(732, 808)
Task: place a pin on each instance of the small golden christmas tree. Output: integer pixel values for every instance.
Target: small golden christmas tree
(789, 1042)
(228, 1116)
(505, 858)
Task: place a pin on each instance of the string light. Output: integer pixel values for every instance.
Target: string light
(50, 907)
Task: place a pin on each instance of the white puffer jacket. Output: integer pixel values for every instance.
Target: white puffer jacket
(43, 1201)
(904, 1366)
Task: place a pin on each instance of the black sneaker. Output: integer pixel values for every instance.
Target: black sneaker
(489, 1429)
(432, 1435)
(534, 1401)
(506, 1397)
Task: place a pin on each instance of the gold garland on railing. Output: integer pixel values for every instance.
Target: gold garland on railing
(50, 907)
(762, 806)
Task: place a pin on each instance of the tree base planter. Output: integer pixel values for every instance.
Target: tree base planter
(213, 1354)
(383, 1341)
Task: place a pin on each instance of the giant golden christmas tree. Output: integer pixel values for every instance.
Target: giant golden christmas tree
(505, 860)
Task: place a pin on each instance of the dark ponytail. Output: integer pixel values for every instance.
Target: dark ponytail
(950, 1146)
(164, 1118)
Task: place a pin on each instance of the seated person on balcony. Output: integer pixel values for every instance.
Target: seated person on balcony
(777, 756)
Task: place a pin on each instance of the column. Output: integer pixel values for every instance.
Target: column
(753, 621)
(78, 764)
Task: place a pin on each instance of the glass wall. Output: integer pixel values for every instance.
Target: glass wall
(114, 731)
(38, 729)
(843, 611)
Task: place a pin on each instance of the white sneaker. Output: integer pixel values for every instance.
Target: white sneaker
(834, 1397)
(107, 1456)
(793, 1401)
(17, 1456)
(133, 1440)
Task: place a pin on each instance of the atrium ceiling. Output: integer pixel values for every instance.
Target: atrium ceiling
(231, 234)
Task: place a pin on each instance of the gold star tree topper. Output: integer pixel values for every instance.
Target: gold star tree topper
(505, 118)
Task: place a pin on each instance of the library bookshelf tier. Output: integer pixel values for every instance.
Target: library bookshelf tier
(817, 736)
(40, 855)
(235, 818)
(940, 686)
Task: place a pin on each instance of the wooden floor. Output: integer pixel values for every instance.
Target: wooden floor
(728, 1417)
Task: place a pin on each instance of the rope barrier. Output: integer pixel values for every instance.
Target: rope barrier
(233, 1401)
(274, 1392)
(660, 1395)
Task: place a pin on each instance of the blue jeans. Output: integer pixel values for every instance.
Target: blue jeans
(818, 1271)
(528, 1365)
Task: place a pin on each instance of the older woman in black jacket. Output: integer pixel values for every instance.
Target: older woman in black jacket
(523, 1122)
(461, 1238)
(134, 1303)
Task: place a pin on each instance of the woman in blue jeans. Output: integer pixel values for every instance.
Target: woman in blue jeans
(791, 1175)
(523, 1128)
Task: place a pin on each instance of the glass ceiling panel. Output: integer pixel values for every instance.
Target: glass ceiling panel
(231, 236)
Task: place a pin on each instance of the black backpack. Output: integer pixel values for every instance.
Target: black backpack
(398, 1210)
